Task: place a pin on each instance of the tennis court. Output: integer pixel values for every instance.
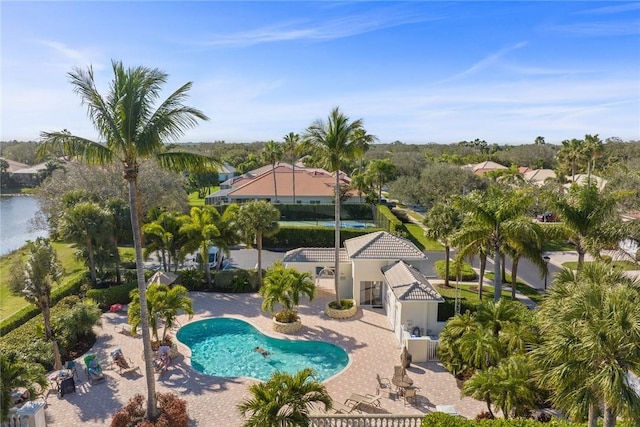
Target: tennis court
(329, 224)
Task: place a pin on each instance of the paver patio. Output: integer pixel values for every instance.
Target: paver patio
(211, 401)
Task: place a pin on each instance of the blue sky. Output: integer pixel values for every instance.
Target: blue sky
(417, 72)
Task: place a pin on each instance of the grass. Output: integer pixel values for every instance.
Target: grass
(194, 200)
(415, 215)
(10, 303)
(416, 235)
(620, 265)
(521, 287)
(469, 292)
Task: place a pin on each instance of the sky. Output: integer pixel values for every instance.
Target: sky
(417, 72)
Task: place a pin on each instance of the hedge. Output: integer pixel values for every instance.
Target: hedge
(385, 218)
(71, 287)
(113, 295)
(439, 419)
(311, 237)
(468, 273)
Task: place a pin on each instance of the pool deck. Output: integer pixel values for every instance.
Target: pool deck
(212, 401)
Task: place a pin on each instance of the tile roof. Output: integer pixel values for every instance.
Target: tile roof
(382, 245)
(314, 255)
(408, 284)
(309, 183)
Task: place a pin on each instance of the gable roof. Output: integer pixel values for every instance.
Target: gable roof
(315, 255)
(408, 284)
(382, 245)
(539, 176)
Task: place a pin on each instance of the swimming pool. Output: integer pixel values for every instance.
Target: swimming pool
(224, 347)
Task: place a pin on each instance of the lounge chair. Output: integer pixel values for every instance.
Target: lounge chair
(340, 408)
(121, 363)
(359, 400)
(163, 360)
(70, 365)
(93, 369)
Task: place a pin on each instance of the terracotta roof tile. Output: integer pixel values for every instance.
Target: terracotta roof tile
(382, 245)
(314, 255)
(408, 284)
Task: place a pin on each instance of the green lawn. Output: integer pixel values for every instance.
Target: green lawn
(416, 235)
(621, 265)
(194, 200)
(522, 288)
(415, 215)
(469, 292)
(10, 303)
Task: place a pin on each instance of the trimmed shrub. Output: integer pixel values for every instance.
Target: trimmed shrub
(113, 295)
(467, 273)
(311, 237)
(346, 304)
(385, 217)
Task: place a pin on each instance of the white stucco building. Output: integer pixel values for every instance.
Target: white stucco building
(380, 270)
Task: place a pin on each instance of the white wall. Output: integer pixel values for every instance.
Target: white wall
(366, 270)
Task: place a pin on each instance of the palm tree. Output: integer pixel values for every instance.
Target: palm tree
(200, 226)
(133, 129)
(163, 303)
(15, 373)
(588, 218)
(590, 330)
(495, 218)
(571, 152)
(441, 222)
(381, 171)
(272, 153)
(284, 286)
(84, 223)
(336, 141)
(509, 386)
(284, 400)
(164, 235)
(593, 149)
(293, 148)
(229, 234)
(257, 220)
(41, 270)
(121, 220)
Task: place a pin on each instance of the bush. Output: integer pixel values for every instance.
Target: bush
(311, 237)
(393, 224)
(467, 273)
(173, 412)
(114, 295)
(344, 303)
(192, 279)
(76, 321)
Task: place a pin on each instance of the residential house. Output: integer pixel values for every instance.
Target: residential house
(312, 186)
(484, 167)
(538, 177)
(378, 270)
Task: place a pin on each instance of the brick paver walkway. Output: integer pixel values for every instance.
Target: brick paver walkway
(212, 401)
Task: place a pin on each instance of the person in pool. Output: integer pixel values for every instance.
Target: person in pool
(262, 351)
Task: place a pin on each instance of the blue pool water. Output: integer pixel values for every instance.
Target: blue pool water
(223, 347)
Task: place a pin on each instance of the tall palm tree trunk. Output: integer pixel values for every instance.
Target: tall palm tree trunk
(275, 183)
(483, 267)
(593, 415)
(152, 406)
(259, 245)
(514, 276)
(497, 274)
(447, 250)
(336, 265)
(48, 333)
(293, 175)
(609, 416)
(117, 261)
(92, 262)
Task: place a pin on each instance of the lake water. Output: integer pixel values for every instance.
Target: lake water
(16, 222)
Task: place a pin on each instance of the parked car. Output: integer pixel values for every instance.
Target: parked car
(547, 217)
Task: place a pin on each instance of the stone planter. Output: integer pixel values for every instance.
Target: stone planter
(341, 314)
(287, 328)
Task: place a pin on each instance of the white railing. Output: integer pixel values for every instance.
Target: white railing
(15, 420)
(366, 420)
